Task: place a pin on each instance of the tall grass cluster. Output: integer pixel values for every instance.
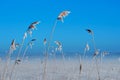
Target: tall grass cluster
(10, 69)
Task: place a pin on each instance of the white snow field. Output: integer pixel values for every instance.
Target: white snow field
(68, 69)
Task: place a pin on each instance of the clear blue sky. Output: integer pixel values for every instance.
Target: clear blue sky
(102, 16)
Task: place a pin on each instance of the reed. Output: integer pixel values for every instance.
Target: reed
(31, 27)
(11, 50)
(59, 18)
(96, 52)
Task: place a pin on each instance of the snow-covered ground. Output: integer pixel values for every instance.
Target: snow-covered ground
(68, 69)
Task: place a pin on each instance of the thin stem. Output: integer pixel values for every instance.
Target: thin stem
(101, 58)
(46, 53)
(63, 57)
(12, 70)
(54, 54)
(97, 69)
(6, 65)
(95, 57)
(45, 63)
(94, 42)
(24, 52)
(84, 54)
(45, 66)
(20, 49)
(51, 35)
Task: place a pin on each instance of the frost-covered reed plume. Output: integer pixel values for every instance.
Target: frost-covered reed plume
(13, 47)
(59, 48)
(87, 48)
(62, 15)
(96, 52)
(32, 27)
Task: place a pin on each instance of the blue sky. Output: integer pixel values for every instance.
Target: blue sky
(102, 16)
